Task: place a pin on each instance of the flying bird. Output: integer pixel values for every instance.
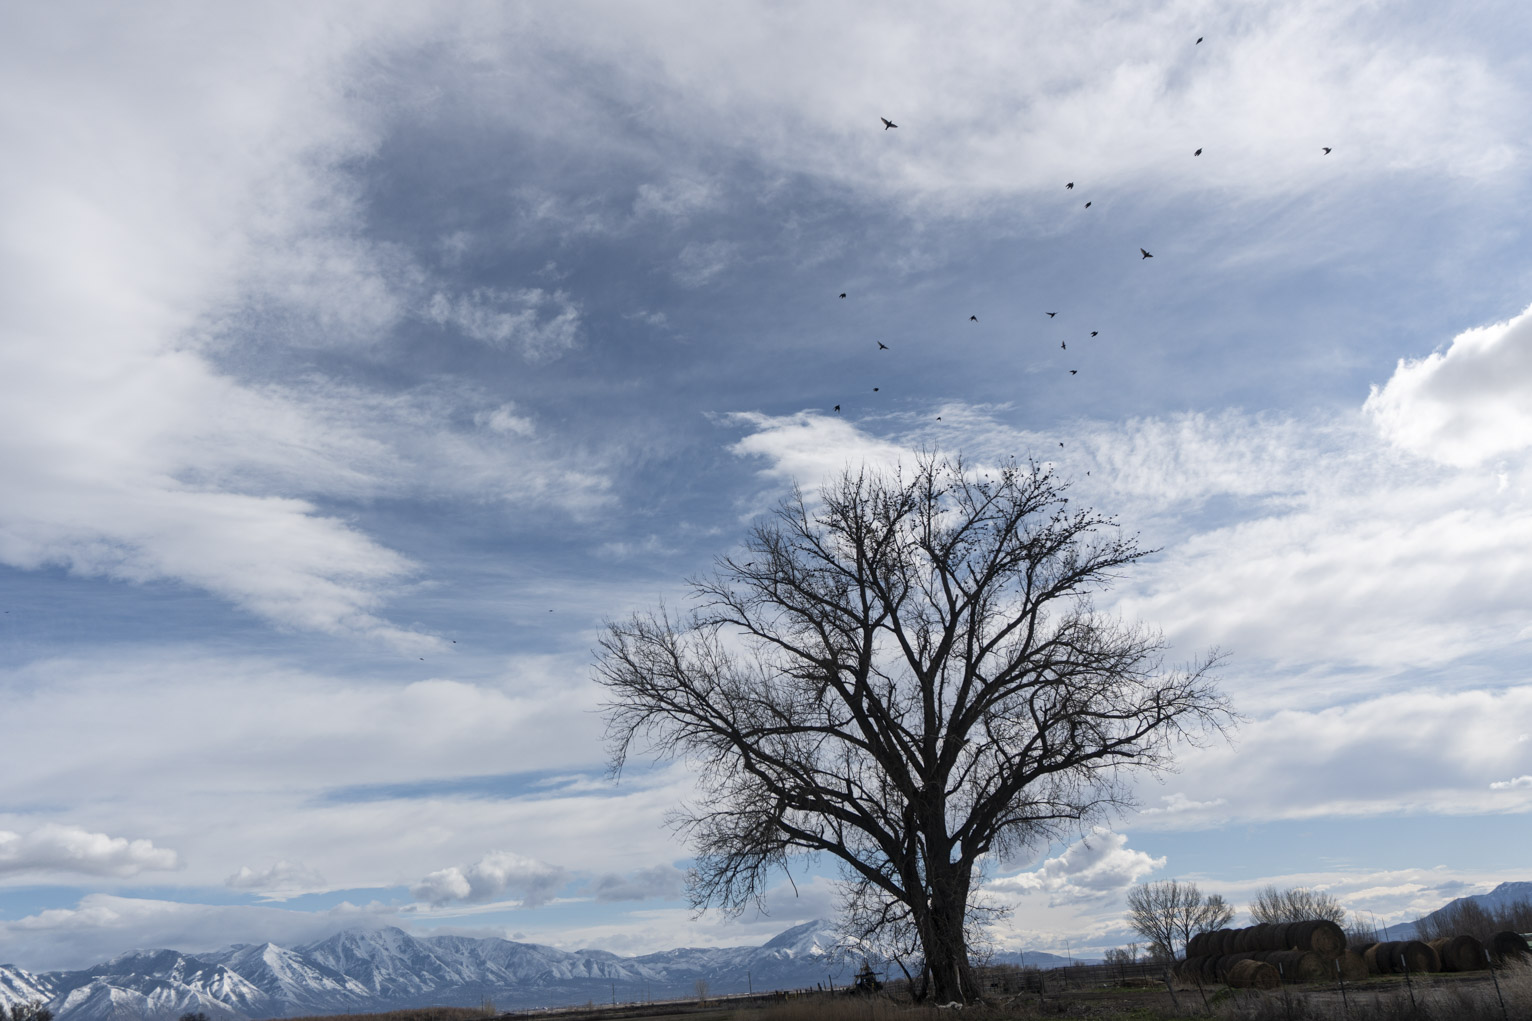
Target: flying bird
(882, 346)
(973, 319)
(842, 294)
(874, 389)
(1198, 42)
(1146, 253)
(1197, 153)
(1069, 186)
(887, 123)
(1050, 315)
(837, 409)
(1327, 150)
(1073, 371)
(1092, 333)
(1087, 205)
(1063, 345)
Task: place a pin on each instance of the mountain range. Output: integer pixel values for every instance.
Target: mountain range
(387, 969)
(1501, 897)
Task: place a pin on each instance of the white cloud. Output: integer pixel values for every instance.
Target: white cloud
(101, 925)
(541, 324)
(699, 262)
(496, 874)
(54, 849)
(1514, 783)
(1466, 405)
(1098, 864)
(280, 880)
(1178, 802)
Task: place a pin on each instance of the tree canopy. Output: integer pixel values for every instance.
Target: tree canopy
(905, 673)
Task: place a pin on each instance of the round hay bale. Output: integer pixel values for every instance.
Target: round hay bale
(1260, 937)
(1509, 946)
(1226, 962)
(1207, 972)
(1194, 946)
(1352, 967)
(1416, 956)
(1279, 936)
(1244, 940)
(1298, 965)
(1253, 974)
(1380, 957)
(1459, 953)
(1218, 942)
(1320, 935)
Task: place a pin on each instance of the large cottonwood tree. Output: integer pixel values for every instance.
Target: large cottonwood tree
(906, 673)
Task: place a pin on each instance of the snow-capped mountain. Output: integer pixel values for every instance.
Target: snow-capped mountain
(20, 986)
(1502, 896)
(385, 969)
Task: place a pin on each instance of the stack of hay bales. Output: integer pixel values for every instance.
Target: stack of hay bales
(1395, 957)
(1460, 953)
(1307, 951)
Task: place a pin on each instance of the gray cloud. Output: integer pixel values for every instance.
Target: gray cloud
(662, 882)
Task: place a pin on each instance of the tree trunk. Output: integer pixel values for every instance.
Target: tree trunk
(946, 949)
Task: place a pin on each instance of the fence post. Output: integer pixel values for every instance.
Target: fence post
(1490, 961)
(1404, 962)
(1171, 990)
(1341, 978)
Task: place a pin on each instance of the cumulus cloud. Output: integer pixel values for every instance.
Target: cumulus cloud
(1466, 405)
(662, 882)
(1515, 783)
(1097, 865)
(54, 848)
(279, 881)
(497, 874)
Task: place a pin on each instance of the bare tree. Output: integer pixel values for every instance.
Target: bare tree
(1299, 904)
(907, 675)
(1169, 913)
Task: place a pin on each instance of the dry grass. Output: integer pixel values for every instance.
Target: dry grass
(1466, 999)
(417, 1014)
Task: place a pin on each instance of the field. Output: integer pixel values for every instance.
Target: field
(1467, 997)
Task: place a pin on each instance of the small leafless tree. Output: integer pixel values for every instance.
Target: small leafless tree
(1470, 918)
(906, 674)
(1295, 905)
(1169, 913)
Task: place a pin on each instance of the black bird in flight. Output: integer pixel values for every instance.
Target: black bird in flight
(1087, 205)
(837, 409)
(882, 346)
(973, 319)
(1197, 153)
(1146, 253)
(1327, 150)
(842, 294)
(1069, 186)
(887, 123)
(874, 389)
(1073, 371)
(1063, 345)
(1050, 315)
(1199, 40)
(1093, 333)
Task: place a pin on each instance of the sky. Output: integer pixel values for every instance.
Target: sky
(359, 361)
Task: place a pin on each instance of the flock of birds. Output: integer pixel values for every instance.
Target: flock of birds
(1144, 253)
